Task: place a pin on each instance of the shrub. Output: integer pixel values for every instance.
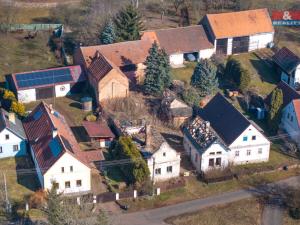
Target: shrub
(91, 118)
(191, 96)
(18, 108)
(38, 199)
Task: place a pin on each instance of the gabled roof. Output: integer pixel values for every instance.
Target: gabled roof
(296, 104)
(121, 54)
(288, 93)
(242, 23)
(47, 77)
(180, 39)
(224, 118)
(98, 129)
(286, 60)
(14, 127)
(39, 127)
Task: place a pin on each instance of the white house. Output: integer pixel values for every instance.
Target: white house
(13, 140)
(182, 43)
(222, 135)
(55, 152)
(290, 120)
(288, 64)
(163, 161)
(238, 32)
(43, 84)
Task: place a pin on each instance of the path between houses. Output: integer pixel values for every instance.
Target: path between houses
(158, 215)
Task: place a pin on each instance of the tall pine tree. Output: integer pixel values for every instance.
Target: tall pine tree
(157, 73)
(204, 78)
(275, 110)
(108, 34)
(128, 24)
(55, 211)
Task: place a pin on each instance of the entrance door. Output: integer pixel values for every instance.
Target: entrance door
(43, 93)
(222, 46)
(240, 44)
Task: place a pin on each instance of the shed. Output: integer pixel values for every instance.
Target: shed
(99, 133)
(43, 84)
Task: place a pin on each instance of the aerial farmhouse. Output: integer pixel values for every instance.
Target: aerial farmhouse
(221, 135)
(56, 154)
(238, 32)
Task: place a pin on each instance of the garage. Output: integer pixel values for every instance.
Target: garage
(222, 46)
(240, 44)
(44, 93)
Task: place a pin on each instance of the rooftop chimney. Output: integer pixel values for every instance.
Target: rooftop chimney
(51, 108)
(54, 132)
(12, 117)
(148, 136)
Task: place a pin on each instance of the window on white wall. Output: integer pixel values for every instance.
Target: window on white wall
(237, 153)
(245, 138)
(253, 138)
(71, 168)
(7, 137)
(78, 183)
(260, 151)
(169, 169)
(164, 154)
(62, 169)
(157, 171)
(218, 161)
(67, 184)
(248, 152)
(0, 149)
(16, 148)
(211, 162)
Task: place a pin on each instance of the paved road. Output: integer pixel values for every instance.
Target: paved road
(157, 216)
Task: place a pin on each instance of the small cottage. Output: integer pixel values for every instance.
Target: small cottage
(13, 139)
(99, 133)
(288, 65)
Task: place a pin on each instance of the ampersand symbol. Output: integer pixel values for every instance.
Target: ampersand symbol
(286, 15)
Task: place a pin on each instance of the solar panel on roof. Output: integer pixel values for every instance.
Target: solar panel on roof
(43, 78)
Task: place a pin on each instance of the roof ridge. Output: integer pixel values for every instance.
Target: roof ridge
(248, 10)
(173, 28)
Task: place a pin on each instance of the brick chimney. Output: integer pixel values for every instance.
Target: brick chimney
(12, 117)
(148, 136)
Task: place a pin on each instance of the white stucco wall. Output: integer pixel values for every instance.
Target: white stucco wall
(229, 46)
(176, 59)
(293, 80)
(26, 96)
(7, 146)
(162, 158)
(62, 90)
(260, 143)
(206, 53)
(290, 123)
(261, 40)
(80, 172)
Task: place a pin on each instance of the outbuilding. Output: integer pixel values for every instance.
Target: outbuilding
(239, 32)
(182, 43)
(43, 84)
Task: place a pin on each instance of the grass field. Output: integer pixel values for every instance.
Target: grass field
(20, 55)
(244, 212)
(19, 185)
(185, 73)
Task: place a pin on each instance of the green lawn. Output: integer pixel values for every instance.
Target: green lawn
(185, 73)
(244, 212)
(288, 37)
(263, 77)
(19, 185)
(20, 55)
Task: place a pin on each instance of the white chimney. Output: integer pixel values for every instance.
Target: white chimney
(54, 132)
(12, 117)
(51, 108)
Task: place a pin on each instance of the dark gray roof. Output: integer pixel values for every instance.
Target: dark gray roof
(16, 128)
(224, 118)
(286, 60)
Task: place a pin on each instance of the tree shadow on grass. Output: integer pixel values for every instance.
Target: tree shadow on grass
(26, 173)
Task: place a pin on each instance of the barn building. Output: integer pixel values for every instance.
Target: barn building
(238, 32)
(182, 43)
(43, 84)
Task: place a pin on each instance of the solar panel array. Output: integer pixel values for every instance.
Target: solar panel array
(43, 78)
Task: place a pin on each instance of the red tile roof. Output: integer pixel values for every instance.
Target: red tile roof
(242, 23)
(121, 54)
(39, 126)
(99, 66)
(180, 39)
(94, 156)
(98, 129)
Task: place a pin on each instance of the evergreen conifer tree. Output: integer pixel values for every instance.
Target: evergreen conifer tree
(157, 73)
(108, 35)
(55, 210)
(275, 110)
(204, 78)
(128, 24)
